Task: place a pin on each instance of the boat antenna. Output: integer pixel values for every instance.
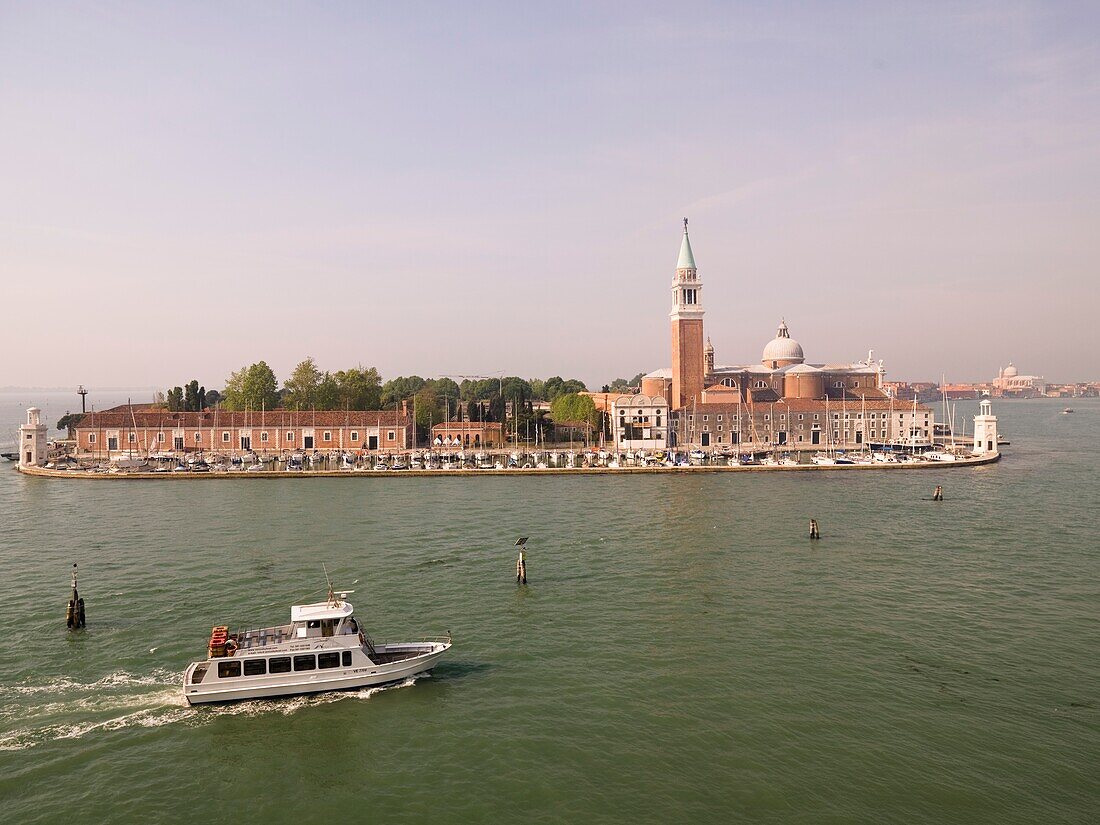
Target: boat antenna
(331, 595)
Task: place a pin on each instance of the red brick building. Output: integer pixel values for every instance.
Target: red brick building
(144, 431)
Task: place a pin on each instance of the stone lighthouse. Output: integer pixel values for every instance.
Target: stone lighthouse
(985, 428)
(32, 440)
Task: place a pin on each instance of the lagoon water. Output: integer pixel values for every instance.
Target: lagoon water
(682, 654)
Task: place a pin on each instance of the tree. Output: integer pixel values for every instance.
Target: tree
(398, 389)
(359, 388)
(327, 396)
(429, 410)
(175, 399)
(211, 398)
(573, 407)
(251, 388)
(625, 384)
(192, 397)
(68, 423)
(301, 387)
(538, 388)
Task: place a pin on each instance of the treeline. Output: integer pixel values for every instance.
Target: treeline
(508, 399)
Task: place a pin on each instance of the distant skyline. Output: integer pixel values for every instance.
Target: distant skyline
(446, 189)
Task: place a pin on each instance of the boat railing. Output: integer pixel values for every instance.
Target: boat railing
(420, 641)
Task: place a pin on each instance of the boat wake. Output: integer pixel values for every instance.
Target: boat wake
(122, 701)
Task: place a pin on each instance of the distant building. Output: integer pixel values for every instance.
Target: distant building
(639, 422)
(1010, 384)
(751, 400)
(122, 430)
(487, 434)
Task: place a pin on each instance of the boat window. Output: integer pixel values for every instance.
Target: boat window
(197, 674)
(347, 658)
(313, 623)
(255, 667)
(280, 664)
(328, 626)
(328, 660)
(305, 662)
(227, 670)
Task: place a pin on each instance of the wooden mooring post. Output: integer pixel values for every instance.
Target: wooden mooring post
(815, 533)
(74, 613)
(938, 495)
(521, 562)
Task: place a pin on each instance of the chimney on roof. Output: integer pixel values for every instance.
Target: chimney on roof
(405, 407)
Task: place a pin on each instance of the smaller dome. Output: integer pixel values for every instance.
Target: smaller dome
(783, 347)
(1011, 371)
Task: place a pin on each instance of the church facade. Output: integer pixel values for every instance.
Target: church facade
(780, 400)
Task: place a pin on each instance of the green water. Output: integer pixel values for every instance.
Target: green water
(682, 654)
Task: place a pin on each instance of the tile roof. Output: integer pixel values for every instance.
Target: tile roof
(163, 419)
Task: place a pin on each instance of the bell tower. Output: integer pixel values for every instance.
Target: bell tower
(687, 328)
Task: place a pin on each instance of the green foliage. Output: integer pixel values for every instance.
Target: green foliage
(175, 399)
(624, 384)
(251, 388)
(572, 407)
(359, 388)
(68, 423)
(300, 389)
(213, 397)
(397, 389)
(557, 386)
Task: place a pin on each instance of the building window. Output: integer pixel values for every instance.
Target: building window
(328, 435)
(290, 436)
(706, 418)
(719, 428)
(767, 417)
(263, 437)
(91, 438)
(815, 416)
(133, 437)
(838, 385)
(198, 438)
(391, 435)
(160, 437)
(719, 417)
(354, 435)
(225, 436)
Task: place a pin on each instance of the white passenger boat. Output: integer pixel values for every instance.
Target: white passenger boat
(323, 648)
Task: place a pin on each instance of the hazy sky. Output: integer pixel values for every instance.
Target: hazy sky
(464, 188)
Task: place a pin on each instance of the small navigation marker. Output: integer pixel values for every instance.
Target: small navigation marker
(938, 495)
(74, 613)
(521, 562)
(815, 533)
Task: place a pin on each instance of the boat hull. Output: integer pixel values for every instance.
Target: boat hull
(352, 678)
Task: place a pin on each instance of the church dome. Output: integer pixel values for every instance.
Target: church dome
(1011, 371)
(783, 348)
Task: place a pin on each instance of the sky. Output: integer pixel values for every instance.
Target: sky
(469, 189)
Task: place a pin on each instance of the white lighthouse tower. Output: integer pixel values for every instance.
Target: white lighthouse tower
(32, 440)
(985, 428)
